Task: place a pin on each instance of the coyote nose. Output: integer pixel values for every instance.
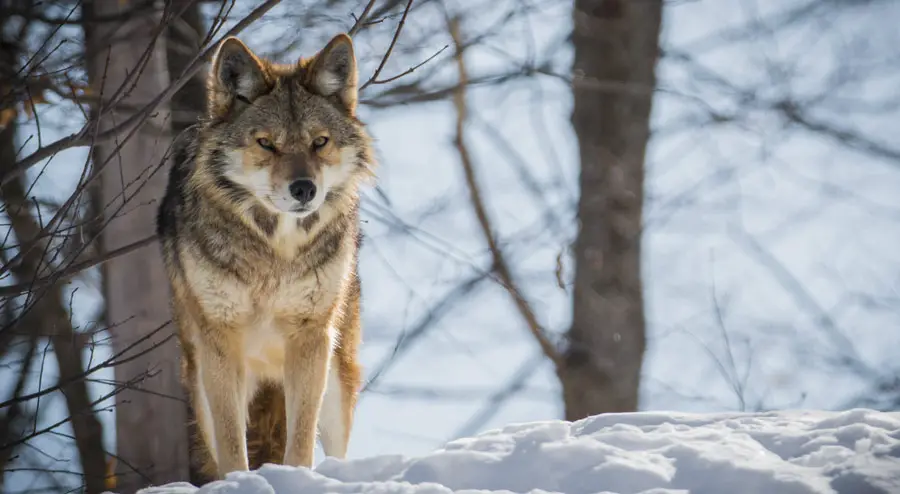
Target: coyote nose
(303, 190)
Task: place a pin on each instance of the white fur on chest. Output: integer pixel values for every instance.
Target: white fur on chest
(264, 350)
(286, 284)
(260, 309)
(275, 292)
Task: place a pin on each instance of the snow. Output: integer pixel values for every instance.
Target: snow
(783, 452)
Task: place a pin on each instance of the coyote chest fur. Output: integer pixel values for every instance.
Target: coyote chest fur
(273, 290)
(260, 237)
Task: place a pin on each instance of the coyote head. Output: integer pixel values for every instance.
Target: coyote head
(287, 134)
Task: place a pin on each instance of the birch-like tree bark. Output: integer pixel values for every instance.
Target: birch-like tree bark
(151, 420)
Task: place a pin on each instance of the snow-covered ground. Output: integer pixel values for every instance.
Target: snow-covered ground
(785, 452)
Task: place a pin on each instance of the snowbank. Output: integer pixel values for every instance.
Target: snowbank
(853, 452)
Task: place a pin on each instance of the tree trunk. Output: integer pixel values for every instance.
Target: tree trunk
(615, 41)
(151, 419)
(183, 42)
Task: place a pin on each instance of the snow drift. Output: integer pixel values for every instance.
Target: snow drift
(852, 452)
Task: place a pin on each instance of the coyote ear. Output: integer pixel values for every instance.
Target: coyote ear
(332, 72)
(236, 75)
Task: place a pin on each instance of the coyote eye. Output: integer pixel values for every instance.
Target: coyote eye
(265, 144)
(320, 142)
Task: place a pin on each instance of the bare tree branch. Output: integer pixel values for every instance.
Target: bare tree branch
(500, 264)
(390, 49)
(83, 137)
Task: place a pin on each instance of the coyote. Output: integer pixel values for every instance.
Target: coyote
(260, 236)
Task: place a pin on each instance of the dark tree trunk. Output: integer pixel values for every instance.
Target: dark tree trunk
(616, 42)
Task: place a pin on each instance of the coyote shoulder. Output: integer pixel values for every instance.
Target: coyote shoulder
(260, 235)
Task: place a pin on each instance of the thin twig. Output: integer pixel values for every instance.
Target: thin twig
(411, 69)
(390, 49)
(106, 364)
(361, 19)
(81, 139)
(73, 269)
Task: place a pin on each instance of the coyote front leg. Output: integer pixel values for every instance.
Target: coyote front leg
(223, 382)
(308, 352)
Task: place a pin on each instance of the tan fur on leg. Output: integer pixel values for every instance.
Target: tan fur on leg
(304, 380)
(223, 382)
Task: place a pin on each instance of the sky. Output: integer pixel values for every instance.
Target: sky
(767, 251)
